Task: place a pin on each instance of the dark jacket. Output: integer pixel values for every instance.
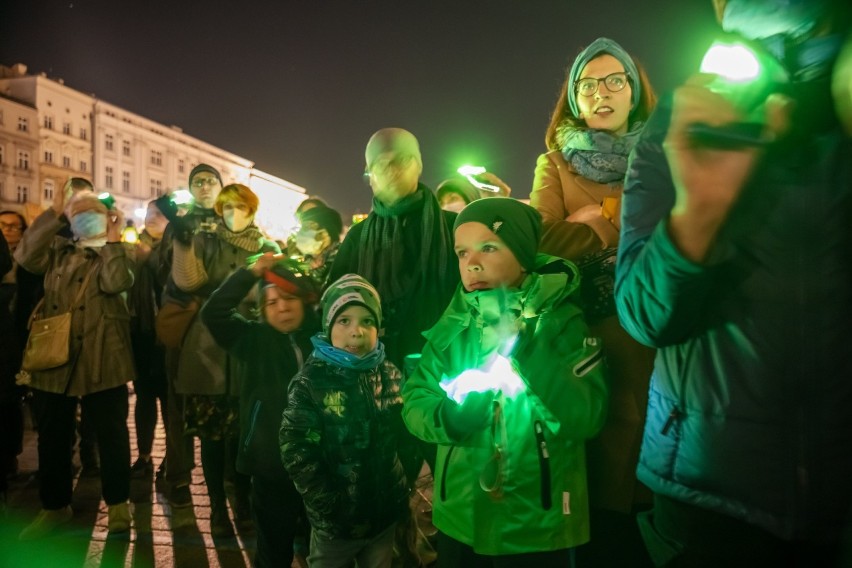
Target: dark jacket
(340, 435)
(749, 405)
(269, 360)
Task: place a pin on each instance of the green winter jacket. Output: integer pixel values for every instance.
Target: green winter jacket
(541, 500)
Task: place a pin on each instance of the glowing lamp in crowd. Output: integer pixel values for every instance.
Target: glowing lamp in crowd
(140, 213)
(181, 197)
(129, 234)
(358, 217)
(107, 199)
(745, 76)
(470, 173)
(499, 377)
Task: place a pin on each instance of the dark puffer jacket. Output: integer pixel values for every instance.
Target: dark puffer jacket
(749, 406)
(340, 435)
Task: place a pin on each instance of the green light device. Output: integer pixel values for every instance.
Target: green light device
(470, 173)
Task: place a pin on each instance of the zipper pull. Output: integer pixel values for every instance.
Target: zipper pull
(673, 415)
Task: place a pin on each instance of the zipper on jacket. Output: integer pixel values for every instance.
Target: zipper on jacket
(444, 473)
(544, 464)
(255, 412)
(673, 415)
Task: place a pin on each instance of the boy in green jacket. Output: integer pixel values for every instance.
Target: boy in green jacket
(509, 386)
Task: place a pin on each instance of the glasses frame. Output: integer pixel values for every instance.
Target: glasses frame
(201, 182)
(605, 81)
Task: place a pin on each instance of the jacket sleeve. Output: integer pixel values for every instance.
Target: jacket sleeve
(188, 269)
(33, 252)
(560, 237)
(116, 273)
(659, 293)
(423, 398)
(564, 371)
(300, 441)
(220, 315)
(5, 257)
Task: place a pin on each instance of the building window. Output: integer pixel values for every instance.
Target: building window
(83, 166)
(23, 124)
(48, 122)
(1, 155)
(23, 160)
(181, 166)
(48, 189)
(156, 158)
(156, 188)
(125, 147)
(108, 179)
(66, 162)
(108, 142)
(48, 156)
(22, 194)
(125, 182)
(84, 134)
(66, 128)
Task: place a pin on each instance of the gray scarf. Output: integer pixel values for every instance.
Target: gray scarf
(598, 155)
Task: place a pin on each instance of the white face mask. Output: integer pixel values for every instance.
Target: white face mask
(89, 225)
(307, 243)
(237, 220)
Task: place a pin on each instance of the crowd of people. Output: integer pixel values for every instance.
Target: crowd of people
(644, 366)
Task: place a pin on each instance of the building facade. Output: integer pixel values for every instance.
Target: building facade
(70, 133)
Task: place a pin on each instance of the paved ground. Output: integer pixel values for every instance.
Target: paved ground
(85, 542)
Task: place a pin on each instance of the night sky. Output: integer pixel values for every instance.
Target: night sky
(299, 86)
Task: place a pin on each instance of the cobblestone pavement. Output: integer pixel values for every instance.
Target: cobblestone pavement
(85, 541)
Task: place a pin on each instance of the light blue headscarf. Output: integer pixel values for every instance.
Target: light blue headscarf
(597, 47)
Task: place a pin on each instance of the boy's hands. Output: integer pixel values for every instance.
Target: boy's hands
(472, 415)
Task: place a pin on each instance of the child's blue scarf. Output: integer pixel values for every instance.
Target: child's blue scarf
(325, 351)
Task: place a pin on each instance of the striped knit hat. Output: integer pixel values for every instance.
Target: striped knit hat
(347, 290)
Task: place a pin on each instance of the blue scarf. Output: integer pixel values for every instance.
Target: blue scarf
(598, 155)
(325, 351)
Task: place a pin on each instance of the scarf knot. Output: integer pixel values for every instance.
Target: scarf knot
(598, 155)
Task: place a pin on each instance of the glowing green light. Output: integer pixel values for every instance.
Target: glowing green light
(469, 172)
(733, 62)
(500, 377)
(182, 197)
(104, 195)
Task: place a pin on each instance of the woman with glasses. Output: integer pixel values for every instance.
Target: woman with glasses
(604, 101)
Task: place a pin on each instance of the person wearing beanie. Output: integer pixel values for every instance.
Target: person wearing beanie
(510, 386)
(173, 319)
(87, 276)
(342, 439)
(605, 101)
(456, 192)
(404, 246)
(271, 349)
(318, 240)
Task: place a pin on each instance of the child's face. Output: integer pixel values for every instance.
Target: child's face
(355, 330)
(485, 262)
(282, 311)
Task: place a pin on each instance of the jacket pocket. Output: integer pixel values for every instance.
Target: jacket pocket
(544, 465)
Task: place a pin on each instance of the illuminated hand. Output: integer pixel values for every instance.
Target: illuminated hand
(708, 181)
(472, 415)
(115, 224)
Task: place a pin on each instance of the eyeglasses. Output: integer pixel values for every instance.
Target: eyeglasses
(383, 165)
(11, 228)
(614, 82)
(201, 182)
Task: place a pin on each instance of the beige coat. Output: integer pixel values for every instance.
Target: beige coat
(100, 351)
(581, 216)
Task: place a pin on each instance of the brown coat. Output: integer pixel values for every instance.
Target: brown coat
(581, 216)
(100, 352)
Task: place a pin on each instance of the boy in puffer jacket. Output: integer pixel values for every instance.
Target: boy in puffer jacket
(342, 432)
(509, 386)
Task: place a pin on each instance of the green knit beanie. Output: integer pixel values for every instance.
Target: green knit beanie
(516, 223)
(347, 290)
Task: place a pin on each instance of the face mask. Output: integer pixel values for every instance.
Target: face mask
(307, 243)
(236, 220)
(88, 225)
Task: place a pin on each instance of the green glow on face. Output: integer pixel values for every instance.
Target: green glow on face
(733, 62)
(500, 377)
